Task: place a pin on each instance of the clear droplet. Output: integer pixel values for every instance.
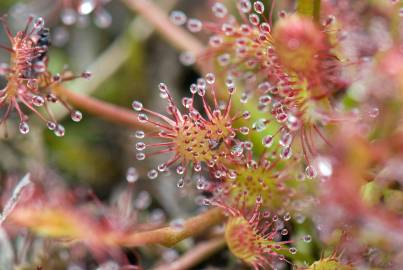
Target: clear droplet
(139, 134)
(51, 125)
(180, 183)
(142, 118)
(286, 153)
(178, 17)
(152, 174)
(76, 116)
(286, 139)
(194, 25)
(24, 128)
(180, 170)
(258, 6)
(310, 172)
(219, 10)
(39, 23)
(140, 156)
(187, 58)
(69, 16)
(373, 112)
(38, 101)
(287, 217)
(177, 224)
(267, 141)
(103, 19)
(140, 146)
(293, 250)
(59, 131)
(137, 106)
(132, 175)
(86, 7)
(307, 238)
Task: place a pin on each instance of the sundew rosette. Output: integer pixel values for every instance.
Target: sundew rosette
(30, 84)
(256, 236)
(287, 62)
(193, 139)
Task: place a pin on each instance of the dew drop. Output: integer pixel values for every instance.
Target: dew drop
(103, 19)
(210, 78)
(76, 116)
(310, 172)
(267, 141)
(59, 131)
(140, 156)
(143, 200)
(197, 167)
(86, 7)
(286, 139)
(69, 16)
(177, 224)
(187, 58)
(245, 6)
(86, 74)
(180, 183)
(152, 174)
(287, 217)
(246, 115)
(244, 130)
(265, 28)
(307, 238)
(324, 166)
(24, 128)
(139, 134)
(292, 250)
(237, 150)
(219, 10)
(260, 125)
(137, 106)
(286, 153)
(284, 232)
(38, 101)
(299, 218)
(39, 23)
(178, 17)
(180, 170)
(132, 175)
(258, 6)
(373, 113)
(142, 118)
(162, 167)
(140, 146)
(194, 25)
(51, 125)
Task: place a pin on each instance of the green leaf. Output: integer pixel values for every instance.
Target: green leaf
(310, 8)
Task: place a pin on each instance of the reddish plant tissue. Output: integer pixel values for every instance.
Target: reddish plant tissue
(291, 140)
(30, 84)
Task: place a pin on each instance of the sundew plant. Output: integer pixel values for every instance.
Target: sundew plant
(201, 134)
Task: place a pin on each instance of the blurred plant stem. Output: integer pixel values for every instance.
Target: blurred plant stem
(176, 36)
(195, 255)
(113, 58)
(103, 109)
(309, 8)
(169, 236)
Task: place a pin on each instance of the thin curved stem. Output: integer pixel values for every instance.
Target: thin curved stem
(178, 37)
(195, 255)
(103, 109)
(169, 236)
